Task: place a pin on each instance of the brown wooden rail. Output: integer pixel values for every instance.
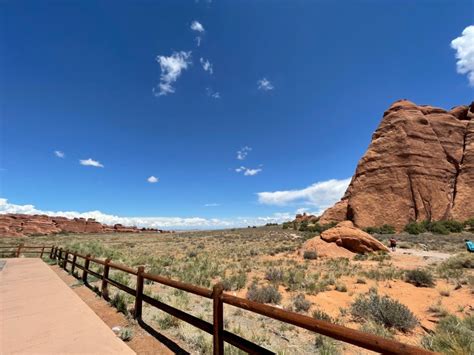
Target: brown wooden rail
(219, 298)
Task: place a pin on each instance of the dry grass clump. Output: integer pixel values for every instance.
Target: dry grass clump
(452, 336)
(263, 294)
(419, 278)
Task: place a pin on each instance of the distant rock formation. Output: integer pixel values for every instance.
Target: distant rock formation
(309, 218)
(419, 166)
(21, 225)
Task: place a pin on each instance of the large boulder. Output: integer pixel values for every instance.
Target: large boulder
(419, 166)
(346, 235)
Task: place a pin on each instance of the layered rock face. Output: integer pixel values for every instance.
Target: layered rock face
(20, 225)
(419, 166)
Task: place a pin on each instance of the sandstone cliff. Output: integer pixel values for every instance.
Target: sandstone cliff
(419, 166)
(20, 225)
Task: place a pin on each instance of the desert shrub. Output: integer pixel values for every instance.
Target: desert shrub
(321, 315)
(300, 303)
(360, 257)
(295, 279)
(436, 227)
(452, 336)
(119, 302)
(263, 294)
(310, 255)
(383, 310)
(453, 267)
(384, 229)
(325, 345)
(340, 287)
(419, 278)
(382, 274)
(415, 228)
(469, 223)
(274, 275)
(235, 282)
(121, 278)
(167, 322)
(126, 334)
(377, 329)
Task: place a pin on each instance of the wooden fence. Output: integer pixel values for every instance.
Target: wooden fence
(69, 258)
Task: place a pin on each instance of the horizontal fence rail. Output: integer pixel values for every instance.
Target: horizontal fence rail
(219, 298)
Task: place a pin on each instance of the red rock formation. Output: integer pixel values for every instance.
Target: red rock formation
(20, 225)
(419, 166)
(351, 238)
(306, 218)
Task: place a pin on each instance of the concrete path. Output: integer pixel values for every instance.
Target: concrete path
(40, 314)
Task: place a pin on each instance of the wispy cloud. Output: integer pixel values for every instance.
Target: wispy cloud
(265, 85)
(248, 171)
(213, 94)
(153, 180)
(207, 65)
(464, 46)
(242, 153)
(212, 205)
(59, 154)
(321, 194)
(151, 222)
(197, 26)
(171, 69)
(91, 162)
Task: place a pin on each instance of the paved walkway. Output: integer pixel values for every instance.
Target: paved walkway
(40, 314)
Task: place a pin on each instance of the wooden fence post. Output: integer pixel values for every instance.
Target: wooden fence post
(66, 256)
(86, 267)
(51, 252)
(18, 251)
(218, 314)
(60, 256)
(139, 294)
(55, 253)
(73, 266)
(42, 252)
(105, 276)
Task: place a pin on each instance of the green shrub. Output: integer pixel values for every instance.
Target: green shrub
(326, 345)
(419, 278)
(263, 294)
(119, 302)
(384, 229)
(469, 223)
(126, 334)
(310, 255)
(300, 303)
(436, 227)
(274, 275)
(377, 329)
(321, 315)
(383, 310)
(452, 336)
(168, 321)
(415, 228)
(235, 282)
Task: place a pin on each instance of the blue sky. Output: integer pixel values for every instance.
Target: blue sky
(302, 84)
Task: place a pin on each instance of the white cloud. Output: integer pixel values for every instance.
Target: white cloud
(213, 94)
(242, 153)
(91, 162)
(196, 26)
(265, 85)
(171, 69)
(206, 65)
(59, 154)
(464, 46)
(248, 171)
(151, 222)
(320, 195)
(212, 205)
(152, 179)
(198, 41)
